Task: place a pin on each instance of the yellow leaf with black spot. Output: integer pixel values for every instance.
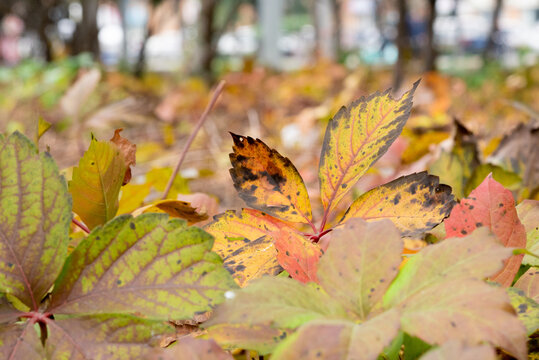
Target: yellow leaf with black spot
(415, 203)
(246, 244)
(268, 181)
(358, 136)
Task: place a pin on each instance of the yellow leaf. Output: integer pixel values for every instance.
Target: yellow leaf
(415, 203)
(96, 183)
(269, 182)
(132, 197)
(175, 208)
(42, 127)
(356, 138)
(158, 178)
(246, 244)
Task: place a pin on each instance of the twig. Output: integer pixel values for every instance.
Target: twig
(203, 117)
(80, 225)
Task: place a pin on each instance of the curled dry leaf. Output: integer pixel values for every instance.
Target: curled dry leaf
(174, 208)
(128, 150)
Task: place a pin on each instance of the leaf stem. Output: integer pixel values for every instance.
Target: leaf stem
(218, 90)
(324, 219)
(80, 225)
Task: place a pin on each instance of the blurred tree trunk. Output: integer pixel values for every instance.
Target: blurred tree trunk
(430, 46)
(208, 47)
(141, 58)
(323, 13)
(85, 39)
(337, 27)
(494, 27)
(403, 45)
(270, 13)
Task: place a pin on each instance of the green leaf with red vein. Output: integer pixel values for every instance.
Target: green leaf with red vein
(245, 241)
(415, 203)
(267, 181)
(20, 341)
(35, 212)
(121, 337)
(148, 265)
(492, 206)
(297, 255)
(360, 263)
(356, 137)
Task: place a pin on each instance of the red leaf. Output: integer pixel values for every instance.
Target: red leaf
(297, 255)
(493, 206)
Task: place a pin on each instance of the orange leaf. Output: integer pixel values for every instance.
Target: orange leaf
(493, 206)
(356, 138)
(297, 255)
(269, 182)
(246, 244)
(415, 203)
(128, 150)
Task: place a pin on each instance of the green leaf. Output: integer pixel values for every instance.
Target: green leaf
(415, 203)
(414, 347)
(112, 336)
(96, 183)
(356, 137)
(457, 350)
(149, 265)
(361, 261)
(340, 339)
(528, 213)
(281, 302)
(527, 309)
(477, 256)
(35, 213)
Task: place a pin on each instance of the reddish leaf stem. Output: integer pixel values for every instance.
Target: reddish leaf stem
(218, 90)
(80, 225)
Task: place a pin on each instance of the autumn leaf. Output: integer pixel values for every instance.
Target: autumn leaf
(99, 336)
(438, 292)
(20, 341)
(297, 255)
(246, 244)
(192, 349)
(360, 263)
(96, 183)
(357, 137)
(456, 167)
(269, 182)
(286, 304)
(528, 213)
(415, 203)
(35, 212)
(260, 338)
(492, 206)
(174, 208)
(132, 197)
(457, 350)
(340, 339)
(128, 151)
(165, 258)
(527, 309)
(529, 283)
(41, 128)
